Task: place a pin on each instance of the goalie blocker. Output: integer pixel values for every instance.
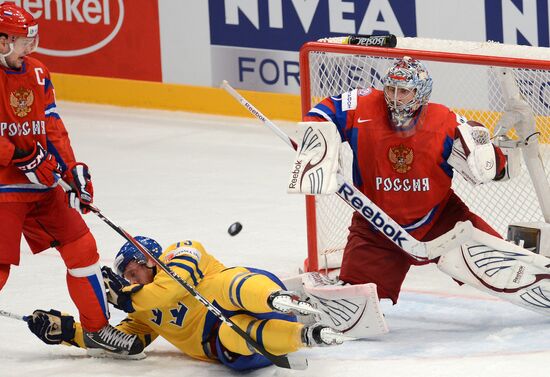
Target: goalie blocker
(314, 169)
(320, 156)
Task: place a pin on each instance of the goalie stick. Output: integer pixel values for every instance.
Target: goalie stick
(282, 361)
(370, 211)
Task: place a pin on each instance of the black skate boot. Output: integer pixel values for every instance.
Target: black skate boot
(111, 342)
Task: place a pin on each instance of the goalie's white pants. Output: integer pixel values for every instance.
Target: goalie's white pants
(502, 269)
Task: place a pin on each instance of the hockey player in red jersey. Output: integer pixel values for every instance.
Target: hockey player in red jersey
(405, 150)
(35, 152)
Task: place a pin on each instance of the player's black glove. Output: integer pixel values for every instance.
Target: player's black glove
(52, 327)
(119, 290)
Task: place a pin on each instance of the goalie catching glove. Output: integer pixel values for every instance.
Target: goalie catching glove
(316, 166)
(473, 155)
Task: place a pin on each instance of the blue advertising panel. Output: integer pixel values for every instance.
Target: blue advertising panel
(254, 43)
(523, 22)
(287, 24)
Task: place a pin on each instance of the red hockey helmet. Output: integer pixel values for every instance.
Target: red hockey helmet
(16, 21)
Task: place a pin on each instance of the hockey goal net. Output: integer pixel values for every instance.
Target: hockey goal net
(464, 80)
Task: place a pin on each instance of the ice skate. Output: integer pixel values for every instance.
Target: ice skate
(289, 302)
(111, 342)
(321, 335)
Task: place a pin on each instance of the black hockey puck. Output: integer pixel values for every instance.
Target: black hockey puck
(234, 228)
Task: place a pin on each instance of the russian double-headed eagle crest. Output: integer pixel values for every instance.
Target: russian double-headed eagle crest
(21, 101)
(401, 158)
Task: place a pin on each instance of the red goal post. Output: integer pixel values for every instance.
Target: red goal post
(464, 80)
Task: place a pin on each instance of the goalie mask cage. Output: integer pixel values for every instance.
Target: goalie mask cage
(464, 80)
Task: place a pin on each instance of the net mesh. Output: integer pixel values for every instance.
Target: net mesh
(472, 90)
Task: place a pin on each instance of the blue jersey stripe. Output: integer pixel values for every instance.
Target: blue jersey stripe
(192, 260)
(239, 286)
(423, 221)
(352, 135)
(316, 115)
(47, 84)
(260, 332)
(22, 71)
(231, 298)
(341, 117)
(14, 188)
(447, 148)
(186, 268)
(53, 150)
(327, 110)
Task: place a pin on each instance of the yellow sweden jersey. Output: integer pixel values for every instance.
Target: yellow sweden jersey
(164, 305)
(165, 308)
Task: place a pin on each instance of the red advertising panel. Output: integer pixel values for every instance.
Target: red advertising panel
(109, 38)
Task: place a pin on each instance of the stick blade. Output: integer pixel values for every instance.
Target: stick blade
(296, 362)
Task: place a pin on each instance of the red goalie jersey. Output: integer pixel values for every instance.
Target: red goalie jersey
(29, 115)
(408, 177)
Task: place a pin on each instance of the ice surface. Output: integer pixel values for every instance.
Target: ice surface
(176, 176)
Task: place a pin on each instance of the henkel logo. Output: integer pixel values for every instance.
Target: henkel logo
(75, 27)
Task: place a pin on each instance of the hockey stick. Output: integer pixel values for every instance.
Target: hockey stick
(289, 362)
(7, 314)
(421, 251)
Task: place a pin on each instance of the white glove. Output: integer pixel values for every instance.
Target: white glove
(473, 155)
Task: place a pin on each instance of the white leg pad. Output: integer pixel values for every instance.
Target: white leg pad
(352, 309)
(502, 269)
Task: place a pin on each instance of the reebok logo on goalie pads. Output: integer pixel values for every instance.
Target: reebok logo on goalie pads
(295, 174)
(519, 275)
(348, 193)
(315, 167)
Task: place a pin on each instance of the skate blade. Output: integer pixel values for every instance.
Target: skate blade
(341, 338)
(301, 309)
(101, 353)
